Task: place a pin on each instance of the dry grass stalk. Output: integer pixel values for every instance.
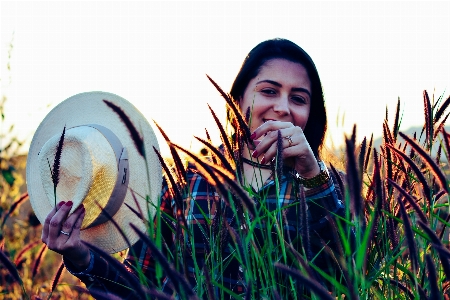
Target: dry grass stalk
(37, 261)
(16, 204)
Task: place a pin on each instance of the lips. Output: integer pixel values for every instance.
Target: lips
(266, 120)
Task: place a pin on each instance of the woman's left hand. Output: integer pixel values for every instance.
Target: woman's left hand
(294, 146)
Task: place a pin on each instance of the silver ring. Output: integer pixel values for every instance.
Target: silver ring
(65, 233)
(289, 139)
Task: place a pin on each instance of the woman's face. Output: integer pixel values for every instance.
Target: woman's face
(281, 91)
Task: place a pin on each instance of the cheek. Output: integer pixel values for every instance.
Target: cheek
(301, 118)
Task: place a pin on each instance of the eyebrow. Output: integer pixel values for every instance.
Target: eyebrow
(279, 85)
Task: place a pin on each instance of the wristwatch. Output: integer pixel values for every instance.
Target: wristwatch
(321, 178)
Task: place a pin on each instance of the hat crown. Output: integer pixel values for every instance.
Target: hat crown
(87, 173)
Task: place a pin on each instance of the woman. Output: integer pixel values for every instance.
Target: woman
(279, 84)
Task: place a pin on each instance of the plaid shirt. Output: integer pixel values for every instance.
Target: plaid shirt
(200, 203)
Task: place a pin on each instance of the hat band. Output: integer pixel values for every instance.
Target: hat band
(120, 189)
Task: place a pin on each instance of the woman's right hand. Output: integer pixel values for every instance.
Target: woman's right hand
(54, 234)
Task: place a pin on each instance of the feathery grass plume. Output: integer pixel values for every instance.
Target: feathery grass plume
(208, 138)
(419, 175)
(224, 162)
(396, 121)
(387, 135)
(362, 153)
(179, 166)
(179, 281)
(236, 111)
(446, 138)
(140, 214)
(130, 281)
(226, 178)
(57, 162)
(16, 204)
(353, 180)
(37, 261)
(223, 134)
(56, 278)
(428, 161)
(10, 267)
(378, 190)
(134, 133)
(432, 279)
(409, 237)
(428, 118)
(438, 155)
(279, 156)
(400, 286)
(25, 249)
(313, 285)
(303, 215)
(441, 110)
(410, 200)
(435, 240)
(369, 150)
(440, 126)
(337, 179)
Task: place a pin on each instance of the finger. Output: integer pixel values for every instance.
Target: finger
(57, 220)
(76, 229)
(268, 127)
(69, 223)
(268, 145)
(49, 217)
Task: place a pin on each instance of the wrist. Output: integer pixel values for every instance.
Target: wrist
(80, 264)
(318, 178)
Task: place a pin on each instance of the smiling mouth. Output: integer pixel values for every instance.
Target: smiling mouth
(266, 120)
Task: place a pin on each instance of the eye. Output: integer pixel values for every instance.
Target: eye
(268, 91)
(299, 99)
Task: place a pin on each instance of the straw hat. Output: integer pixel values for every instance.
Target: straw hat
(99, 166)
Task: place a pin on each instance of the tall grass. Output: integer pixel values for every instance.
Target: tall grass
(394, 239)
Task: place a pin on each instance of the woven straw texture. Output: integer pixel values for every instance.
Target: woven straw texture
(89, 108)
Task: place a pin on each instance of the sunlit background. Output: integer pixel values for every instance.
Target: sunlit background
(156, 55)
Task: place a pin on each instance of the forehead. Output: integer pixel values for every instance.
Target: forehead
(286, 71)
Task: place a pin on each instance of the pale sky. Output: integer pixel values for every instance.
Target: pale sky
(156, 55)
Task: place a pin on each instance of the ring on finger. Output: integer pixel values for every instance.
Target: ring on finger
(65, 233)
(289, 139)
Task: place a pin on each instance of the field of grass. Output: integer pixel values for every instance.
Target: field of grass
(394, 237)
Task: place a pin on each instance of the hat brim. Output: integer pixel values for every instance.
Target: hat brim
(89, 108)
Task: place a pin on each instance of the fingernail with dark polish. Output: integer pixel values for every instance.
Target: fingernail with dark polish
(263, 160)
(255, 154)
(253, 136)
(61, 203)
(69, 203)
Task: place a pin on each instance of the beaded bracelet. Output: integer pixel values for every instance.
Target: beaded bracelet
(321, 178)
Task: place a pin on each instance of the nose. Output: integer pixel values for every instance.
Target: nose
(281, 106)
